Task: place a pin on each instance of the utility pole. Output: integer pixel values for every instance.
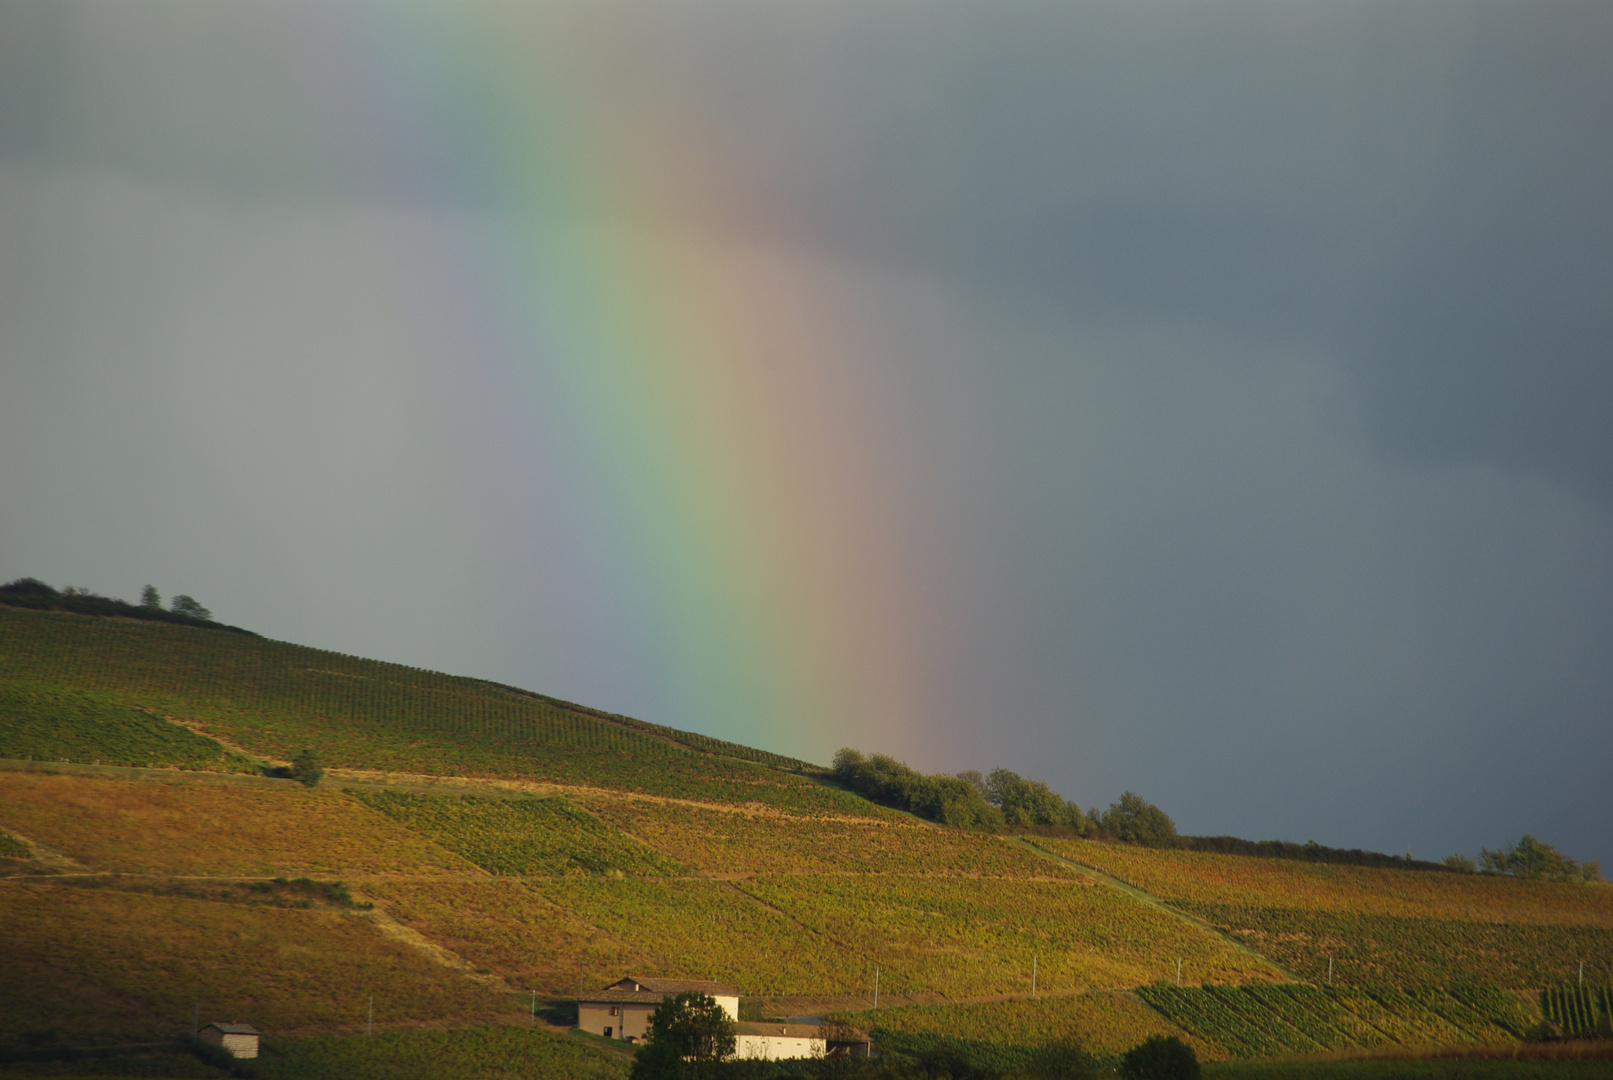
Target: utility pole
(1582, 973)
(876, 986)
(1033, 978)
(369, 1028)
(532, 1020)
(1178, 971)
(1330, 971)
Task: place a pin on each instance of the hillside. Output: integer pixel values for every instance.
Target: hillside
(498, 849)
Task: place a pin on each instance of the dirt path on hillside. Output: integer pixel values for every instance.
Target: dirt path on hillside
(1153, 901)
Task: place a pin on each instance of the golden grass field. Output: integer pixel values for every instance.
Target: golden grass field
(122, 963)
(1257, 882)
(1104, 1022)
(728, 841)
(963, 937)
(171, 826)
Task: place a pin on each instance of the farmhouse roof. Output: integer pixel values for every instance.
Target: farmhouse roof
(234, 1029)
(623, 997)
(673, 986)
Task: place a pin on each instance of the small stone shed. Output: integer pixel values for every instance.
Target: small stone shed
(240, 1040)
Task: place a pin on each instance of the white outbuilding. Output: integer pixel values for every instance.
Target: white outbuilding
(241, 1040)
(773, 1041)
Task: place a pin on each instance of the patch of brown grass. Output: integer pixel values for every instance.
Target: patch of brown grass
(1286, 883)
(171, 826)
(723, 843)
(118, 963)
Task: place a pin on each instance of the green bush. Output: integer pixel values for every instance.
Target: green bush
(1160, 1057)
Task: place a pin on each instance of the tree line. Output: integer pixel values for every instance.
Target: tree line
(1003, 800)
(998, 800)
(183, 609)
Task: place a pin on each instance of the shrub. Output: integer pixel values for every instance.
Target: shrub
(1160, 1057)
(306, 769)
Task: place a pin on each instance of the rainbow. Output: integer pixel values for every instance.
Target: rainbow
(602, 321)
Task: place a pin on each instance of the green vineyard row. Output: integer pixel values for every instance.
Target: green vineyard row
(1579, 1011)
(1272, 1020)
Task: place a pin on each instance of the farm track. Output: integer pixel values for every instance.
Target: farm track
(1149, 898)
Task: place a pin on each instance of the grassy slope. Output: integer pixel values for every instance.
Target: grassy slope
(274, 699)
(662, 858)
(1380, 926)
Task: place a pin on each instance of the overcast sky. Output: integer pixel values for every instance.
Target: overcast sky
(1241, 370)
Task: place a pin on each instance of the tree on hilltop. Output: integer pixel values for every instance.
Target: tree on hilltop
(187, 605)
(1030, 802)
(150, 597)
(1133, 818)
(1532, 858)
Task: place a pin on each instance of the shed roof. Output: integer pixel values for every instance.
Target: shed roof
(234, 1029)
(789, 1031)
(674, 986)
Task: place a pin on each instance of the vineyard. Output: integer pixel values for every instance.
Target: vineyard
(1279, 883)
(680, 928)
(139, 893)
(275, 699)
(1272, 1021)
(717, 840)
(520, 836)
(138, 964)
(488, 1053)
(52, 724)
(1579, 1011)
(963, 937)
(1106, 1023)
(173, 827)
(1369, 949)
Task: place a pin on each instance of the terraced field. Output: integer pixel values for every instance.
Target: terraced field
(608, 846)
(275, 699)
(136, 964)
(680, 928)
(1006, 1033)
(167, 825)
(721, 840)
(46, 723)
(962, 938)
(1271, 1021)
(1285, 883)
(1365, 926)
(521, 836)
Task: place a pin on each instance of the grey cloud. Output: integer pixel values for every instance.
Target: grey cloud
(1252, 359)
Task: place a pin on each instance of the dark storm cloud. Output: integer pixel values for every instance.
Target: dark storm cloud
(1422, 186)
